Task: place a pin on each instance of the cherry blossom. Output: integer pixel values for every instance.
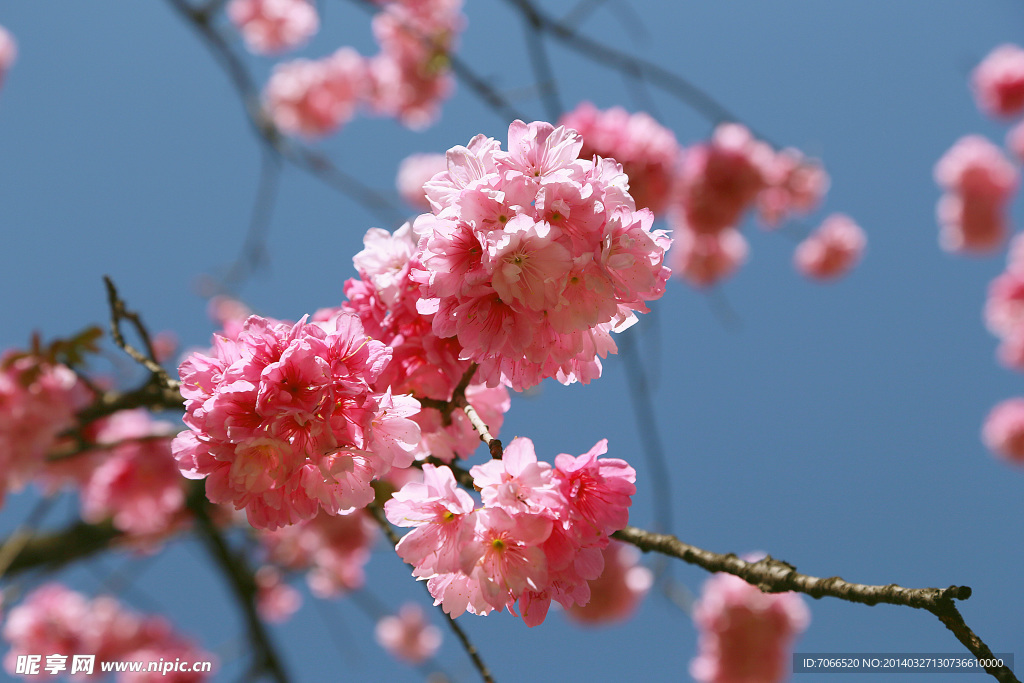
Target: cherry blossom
(53, 619)
(704, 259)
(1003, 433)
(282, 421)
(38, 401)
(274, 26)
(831, 250)
(314, 98)
(531, 257)
(414, 171)
(647, 150)
(407, 635)
(998, 82)
(137, 484)
(979, 180)
(794, 184)
(615, 594)
(745, 635)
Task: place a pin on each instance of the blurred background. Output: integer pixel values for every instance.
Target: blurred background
(834, 426)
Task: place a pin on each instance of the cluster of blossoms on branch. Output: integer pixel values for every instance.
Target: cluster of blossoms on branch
(407, 79)
(533, 256)
(537, 537)
(980, 180)
(54, 620)
(706, 189)
(282, 420)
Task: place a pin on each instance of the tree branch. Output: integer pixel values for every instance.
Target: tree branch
(775, 576)
(378, 515)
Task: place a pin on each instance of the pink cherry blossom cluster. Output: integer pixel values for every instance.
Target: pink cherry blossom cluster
(332, 549)
(38, 401)
(978, 181)
(274, 26)
(832, 249)
(615, 594)
(531, 257)
(718, 182)
(1004, 307)
(8, 52)
(745, 635)
(407, 79)
(54, 619)
(136, 481)
(407, 635)
(1003, 432)
(282, 420)
(998, 82)
(385, 299)
(275, 599)
(648, 152)
(538, 536)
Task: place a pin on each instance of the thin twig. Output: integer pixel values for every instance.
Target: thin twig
(774, 576)
(301, 157)
(119, 312)
(467, 645)
(676, 85)
(541, 64)
(16, 542)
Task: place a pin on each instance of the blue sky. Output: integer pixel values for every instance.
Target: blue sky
(836, 427)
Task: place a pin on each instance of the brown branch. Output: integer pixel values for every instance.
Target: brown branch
(119, 312)
(243, 585)
(629, 65)
(52, 551)
(314, 163)
(775, 576)
(378, 515)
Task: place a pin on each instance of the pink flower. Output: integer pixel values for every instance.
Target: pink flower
(745, 635)
(275, 599)
(314, 98)
(273, 26)
(979, 180)
(385, 298)
(795, 184)
(721, 179)
(597, 490)
(410, 77)
(334, 550)
(1003, 433)
(8, 52)
(284, 419)
(533, 256)
(704, 259)
(647, 151)
(55, 620)
(138, 484)
(998, 82)
(437, 509)
(38, 401)
(622, 585)
(831, 250)
(1015, 141)
(414, 171)
(517, 482)
(408, 636)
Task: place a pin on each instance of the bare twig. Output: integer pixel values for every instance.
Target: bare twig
(119, 312)
(317, 165)
(676, 85)
(467, 645)
(774, 576)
